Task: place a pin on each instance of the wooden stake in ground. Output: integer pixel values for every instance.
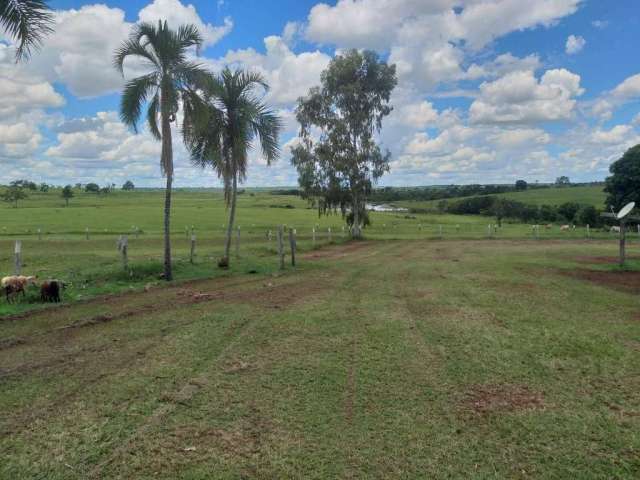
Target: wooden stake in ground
(86, 233)
(193, 247)
(281, 246)
(313, 237)
(588, 233)
(623, 241)
(18, 257)
(623, 228)
(123, 246)
(329, 233)
(238, 243)
(39, 234)
(292, 245)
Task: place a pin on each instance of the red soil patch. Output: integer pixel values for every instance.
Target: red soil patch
(485, 399)
(626, 281)
(602, 260)
(338, 251)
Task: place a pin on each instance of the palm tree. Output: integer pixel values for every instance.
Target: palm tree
(172, 79)
(234, 118)
(28, 21)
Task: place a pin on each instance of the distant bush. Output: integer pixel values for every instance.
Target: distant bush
(503, 208)
(293, 191)
(92, 188)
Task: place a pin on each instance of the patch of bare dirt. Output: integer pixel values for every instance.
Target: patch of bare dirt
(602, 260)
(237, 366)
(332, 253)
(485, 399)
(626, 281)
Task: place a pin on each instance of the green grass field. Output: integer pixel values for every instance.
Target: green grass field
(585, 195)
(383, 359)
(61, 250)
(429, 350)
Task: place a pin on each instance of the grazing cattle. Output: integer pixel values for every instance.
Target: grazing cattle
(50, 290)
(615, 229)
(564, 228)
(548, 226)
(15, 284)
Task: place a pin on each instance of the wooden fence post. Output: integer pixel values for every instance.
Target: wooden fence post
(623, 229)
(123, 247)
(39, 234)
(18, 254)
(313, 237)
(440, 231)
(193, 247)
(588, 233)
(329, 232)
(86, 233)
(238, 243)
(292, 245)
(280, 234)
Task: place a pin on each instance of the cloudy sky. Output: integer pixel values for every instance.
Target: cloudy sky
(489, 90)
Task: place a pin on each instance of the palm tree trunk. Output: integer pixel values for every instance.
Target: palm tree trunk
(232, 217)
(167, 165)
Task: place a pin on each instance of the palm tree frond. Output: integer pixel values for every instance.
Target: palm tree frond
(152, 116)
(28, 21)
(189, 36)
(133, 48)
(134, 96)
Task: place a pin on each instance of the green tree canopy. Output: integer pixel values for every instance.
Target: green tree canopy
(92, 188)
(338, 159)
(13, 194)
(128, 185)
(521, 185)
(623, 186)
(67, 194)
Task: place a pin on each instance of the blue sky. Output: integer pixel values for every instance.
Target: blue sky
(489, 90)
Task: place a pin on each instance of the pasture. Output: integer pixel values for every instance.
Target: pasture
(93, 266)
(412, 354)
(376, 359)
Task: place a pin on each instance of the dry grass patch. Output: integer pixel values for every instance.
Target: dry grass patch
(497, 398)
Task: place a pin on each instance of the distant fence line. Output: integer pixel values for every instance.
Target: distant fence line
(273, 240)
(316, 234)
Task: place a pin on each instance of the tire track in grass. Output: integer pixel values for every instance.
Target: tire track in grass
(190, 388)
(173, 398)
(274, 292)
